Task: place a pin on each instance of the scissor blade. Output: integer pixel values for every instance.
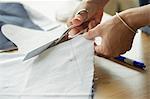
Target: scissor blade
(37, 51)
(64, 34)
(41, 49)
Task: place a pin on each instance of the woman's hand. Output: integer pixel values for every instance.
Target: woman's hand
(116, 37)
(92, 17)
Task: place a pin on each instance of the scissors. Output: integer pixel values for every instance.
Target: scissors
(41, 49)
(59, 40)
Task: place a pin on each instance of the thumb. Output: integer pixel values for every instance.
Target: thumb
(102, 51)
(99, 50)
(79, 18)
(95, 32)
(83, 15)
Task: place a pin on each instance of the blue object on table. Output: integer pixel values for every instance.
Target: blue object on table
(134, 63)
(13, 13)
(146, 29)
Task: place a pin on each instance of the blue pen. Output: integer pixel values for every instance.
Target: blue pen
(134, 63)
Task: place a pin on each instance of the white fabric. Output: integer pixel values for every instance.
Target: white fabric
(62, 72)
(29, 39)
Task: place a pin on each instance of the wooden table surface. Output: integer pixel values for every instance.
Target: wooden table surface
(116, 81)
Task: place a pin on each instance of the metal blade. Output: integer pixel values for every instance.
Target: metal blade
(46, 46)
(37, 51)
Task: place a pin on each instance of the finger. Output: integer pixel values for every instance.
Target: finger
(78, 29)
(95, 32)
(79, 19)
(98, 17)
(76, 21)
(99, 50)
(73, 32)
(102, 51)
(92, 24)
(69, 23)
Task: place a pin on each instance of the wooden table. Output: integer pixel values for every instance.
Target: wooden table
(115, 81)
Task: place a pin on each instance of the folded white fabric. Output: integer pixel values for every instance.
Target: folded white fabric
(62, 72)
(30, 39)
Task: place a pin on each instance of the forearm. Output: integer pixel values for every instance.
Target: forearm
(137, 17)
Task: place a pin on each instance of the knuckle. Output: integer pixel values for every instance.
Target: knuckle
(90, 33)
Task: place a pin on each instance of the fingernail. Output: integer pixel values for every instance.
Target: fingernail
(77, 20)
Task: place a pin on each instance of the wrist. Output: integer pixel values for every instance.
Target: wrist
(135, 17)
(125, 23)
(122, 25)
(130, 18)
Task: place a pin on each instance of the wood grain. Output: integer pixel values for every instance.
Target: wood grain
(116, 81)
